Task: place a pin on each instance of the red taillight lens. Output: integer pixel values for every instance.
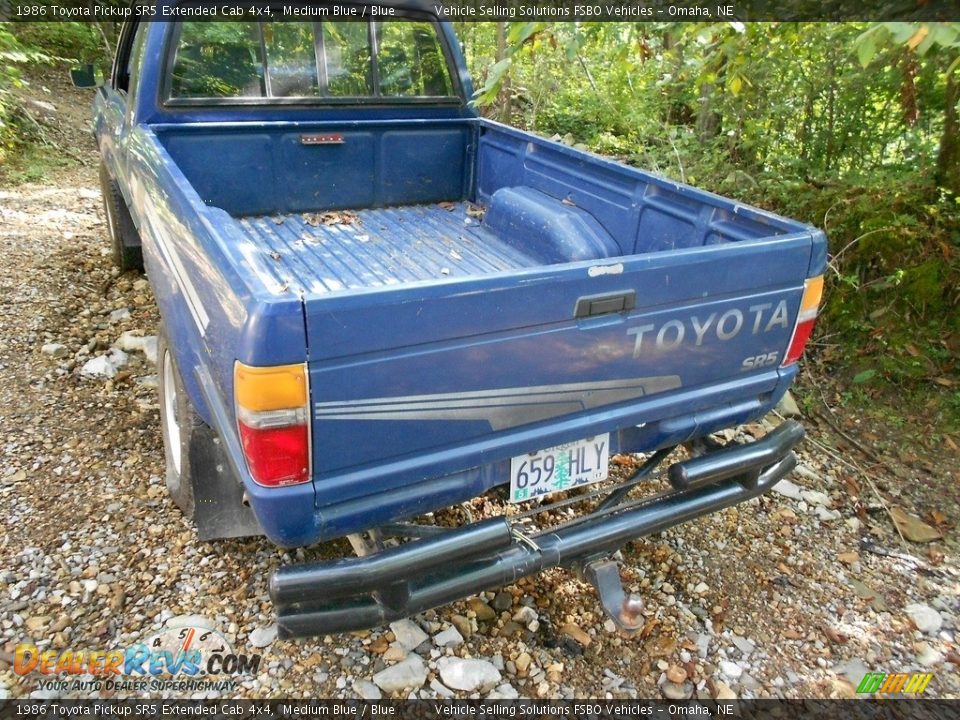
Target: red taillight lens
(273, 419)
(277, 456)
(800, 336)
(806, 319)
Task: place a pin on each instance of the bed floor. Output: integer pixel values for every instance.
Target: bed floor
(338, 250)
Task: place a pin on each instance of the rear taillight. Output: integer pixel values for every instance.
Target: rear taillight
(273, 417)
(806, 319)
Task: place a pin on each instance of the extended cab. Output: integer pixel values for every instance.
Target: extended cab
(377, 305)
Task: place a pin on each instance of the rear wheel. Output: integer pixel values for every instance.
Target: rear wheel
(178, 422)
(124, 238)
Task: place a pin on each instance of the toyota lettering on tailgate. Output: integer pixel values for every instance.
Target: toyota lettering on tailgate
(762, 317)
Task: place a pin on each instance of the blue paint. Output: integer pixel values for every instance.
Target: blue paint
(417, 292)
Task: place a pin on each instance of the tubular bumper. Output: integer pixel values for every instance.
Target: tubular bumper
(364, 592)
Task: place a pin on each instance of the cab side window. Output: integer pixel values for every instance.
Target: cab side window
(410, 61)
(218, 59)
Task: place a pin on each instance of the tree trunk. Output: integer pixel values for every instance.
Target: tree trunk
(677, 111)
(948, 158)
(831, 112)
(708, 120)
(506, 96)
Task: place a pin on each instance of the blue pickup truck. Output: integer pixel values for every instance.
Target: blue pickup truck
(377, 305)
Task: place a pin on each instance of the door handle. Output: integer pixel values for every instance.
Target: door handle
(605, 304)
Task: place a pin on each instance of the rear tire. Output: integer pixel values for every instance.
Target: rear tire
(178, 423)
(124, 238)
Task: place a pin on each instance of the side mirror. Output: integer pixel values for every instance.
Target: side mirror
(84, 76)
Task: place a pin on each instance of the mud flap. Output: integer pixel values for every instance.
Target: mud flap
(219, 511)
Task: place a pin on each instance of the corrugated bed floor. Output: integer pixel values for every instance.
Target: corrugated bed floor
(375, 248)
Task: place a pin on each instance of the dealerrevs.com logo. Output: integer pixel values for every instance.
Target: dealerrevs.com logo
(179, 658)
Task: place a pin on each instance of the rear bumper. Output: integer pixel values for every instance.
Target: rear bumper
(364, 592)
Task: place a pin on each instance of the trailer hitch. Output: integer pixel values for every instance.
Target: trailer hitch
(622, 607)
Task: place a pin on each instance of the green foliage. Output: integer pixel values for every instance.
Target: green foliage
(917, 37)
(14, 56)
(70, 41)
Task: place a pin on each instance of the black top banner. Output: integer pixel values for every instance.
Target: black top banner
(492, 10)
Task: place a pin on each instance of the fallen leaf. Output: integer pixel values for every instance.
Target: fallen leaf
(944, 382)
(939, 519)
(335, 217)
(844, 689)
(576, 633)
(848, 558)
(853, 487)
(913, 528)
(661, 646)
(834, 635)
(720, 690)
(648, 628)
(867, 593)
(792, 634)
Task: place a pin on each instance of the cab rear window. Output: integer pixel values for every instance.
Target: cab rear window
(394, 60)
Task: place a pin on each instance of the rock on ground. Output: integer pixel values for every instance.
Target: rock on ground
(56, 350)
(263, 636)
(105, 366)
(409, 673)
(448, 638)
(408, 633)
(730, 669)
(467, 674)
(503, 692)
(925, 618)
(788, 489)
(366, 690)
(788, 406)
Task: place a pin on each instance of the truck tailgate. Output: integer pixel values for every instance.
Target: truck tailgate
(415, 381)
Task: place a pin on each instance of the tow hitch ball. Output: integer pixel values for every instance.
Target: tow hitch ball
(622, 607)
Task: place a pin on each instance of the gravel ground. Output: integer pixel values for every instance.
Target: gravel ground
(794, 594)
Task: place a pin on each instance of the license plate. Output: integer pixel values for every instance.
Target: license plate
(567, 466)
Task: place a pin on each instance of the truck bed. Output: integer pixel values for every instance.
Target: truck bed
(350, 250)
